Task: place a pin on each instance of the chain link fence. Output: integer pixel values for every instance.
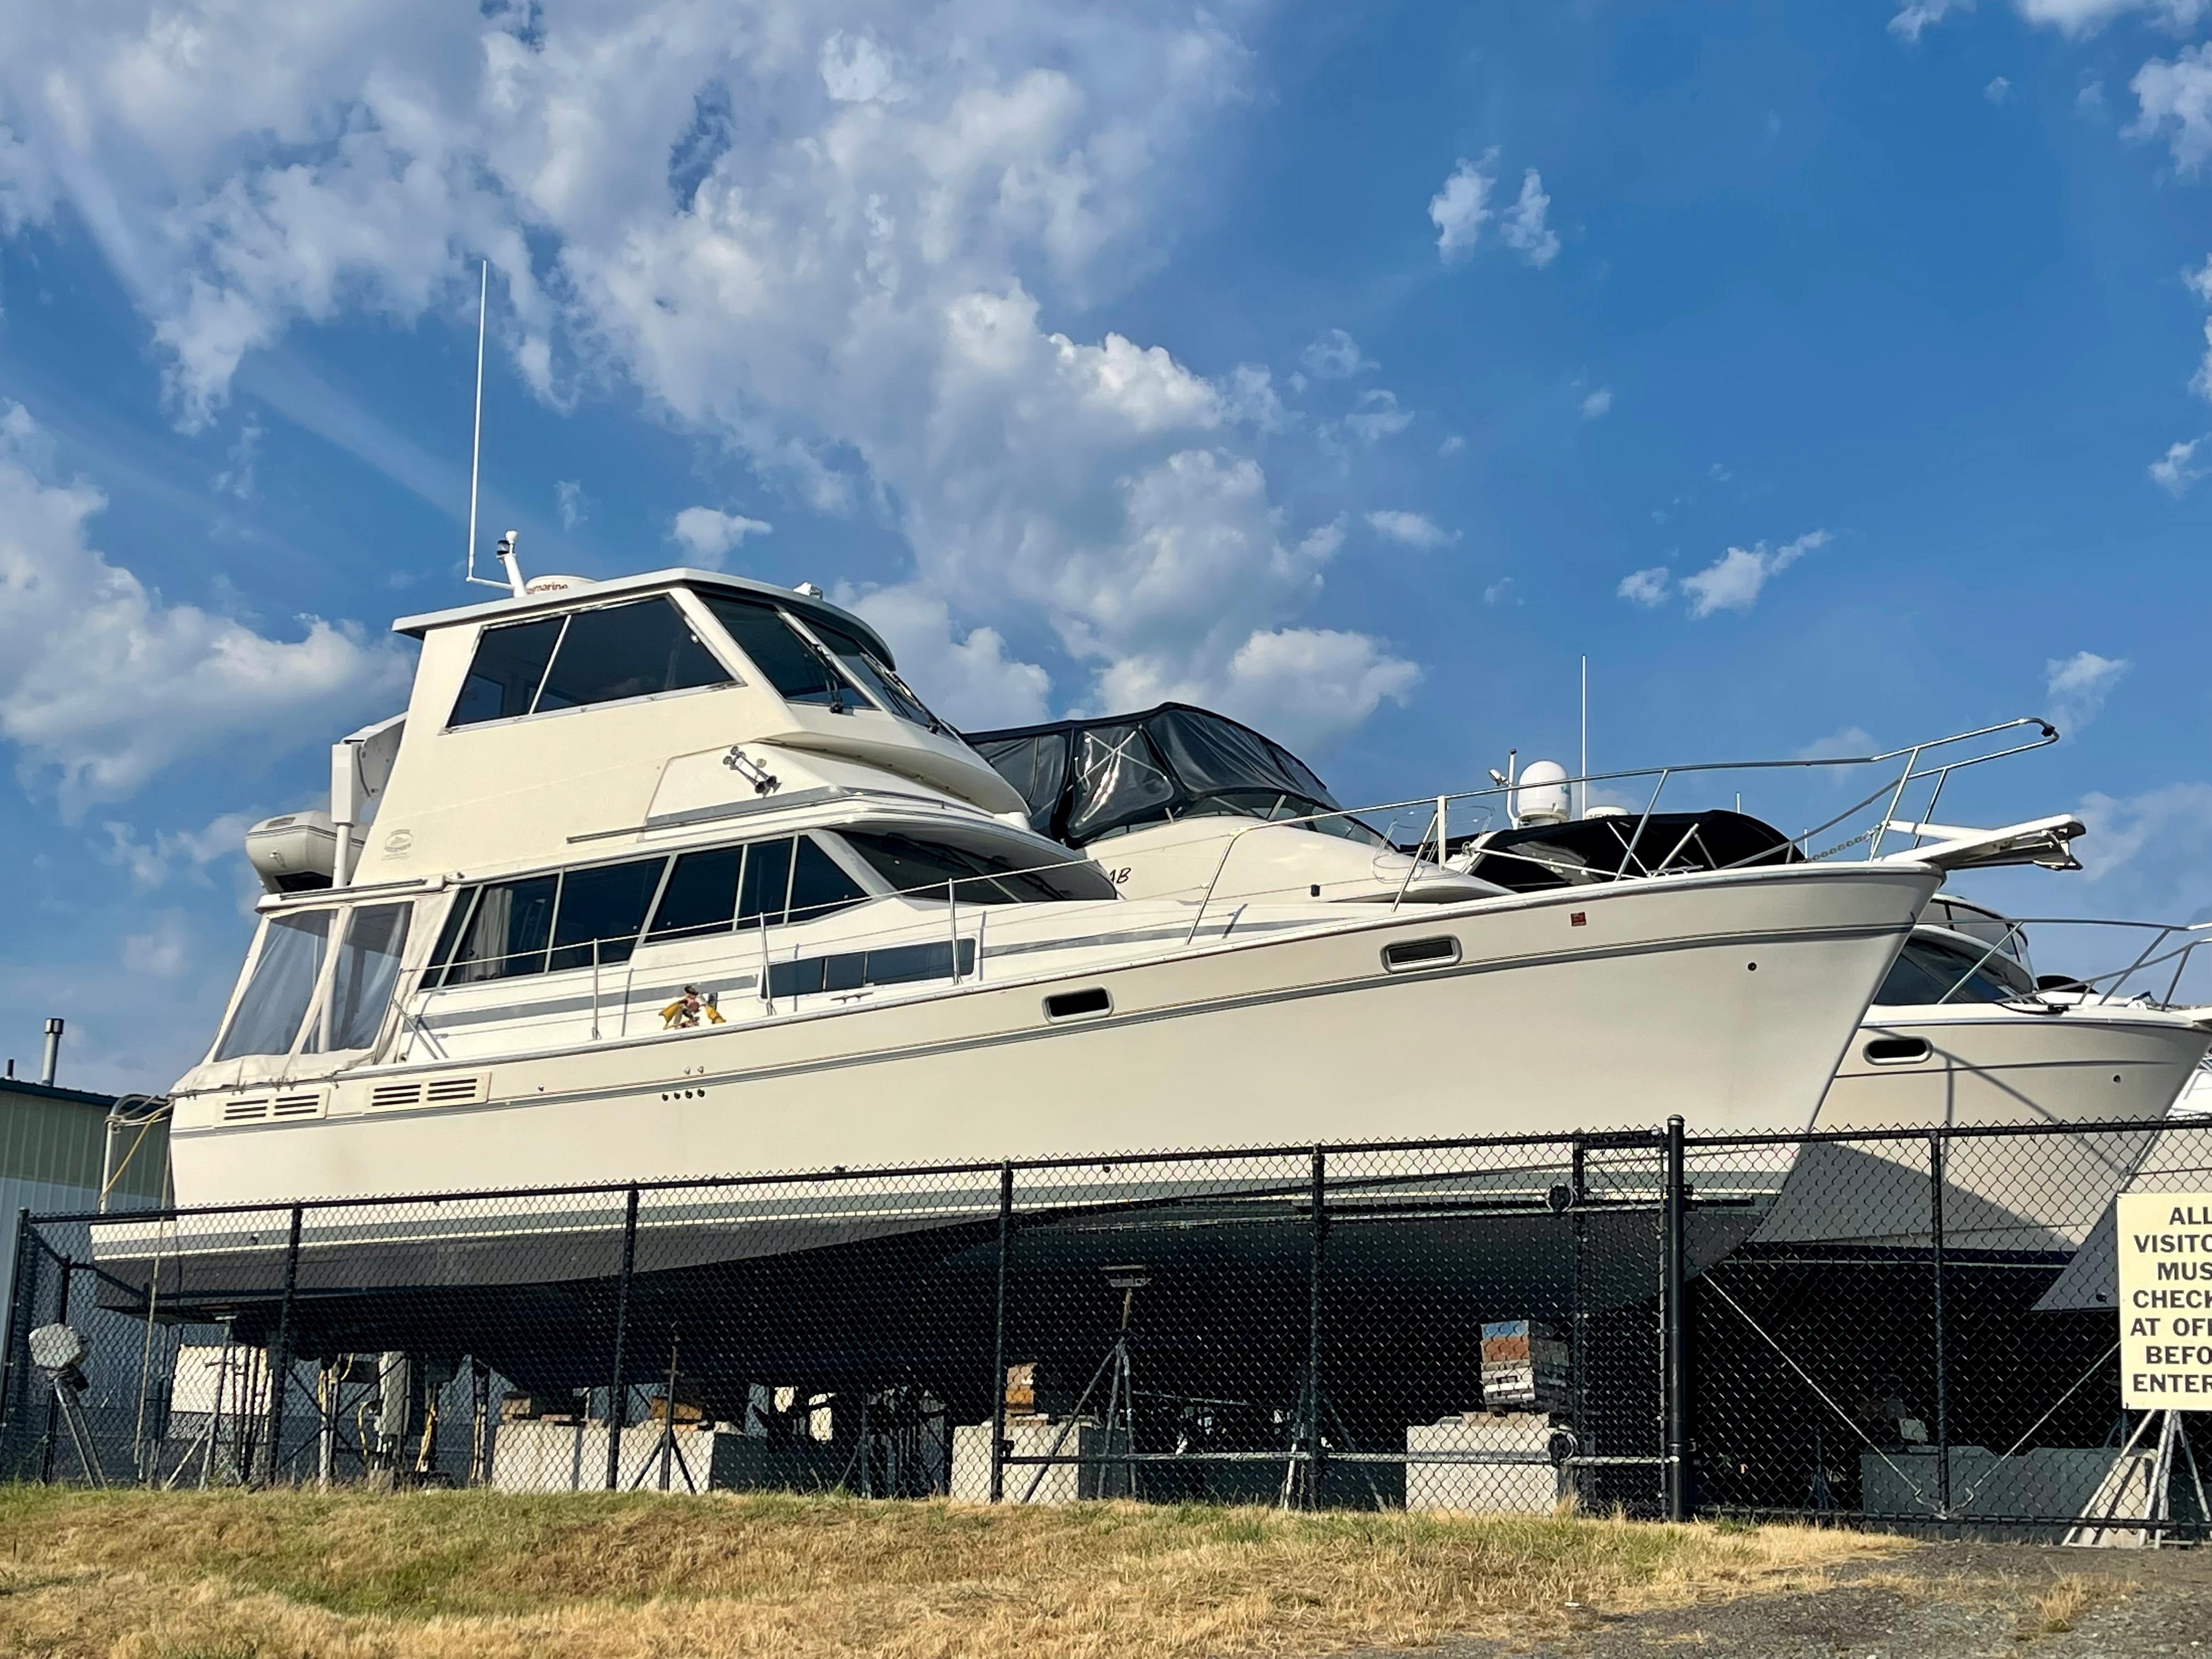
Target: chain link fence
(1908, 1329)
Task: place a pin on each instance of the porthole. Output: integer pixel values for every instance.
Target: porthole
(1089, 1001)
(1403, 954)
(1897, 1051)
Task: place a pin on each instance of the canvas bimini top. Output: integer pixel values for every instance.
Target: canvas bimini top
(1086, 779)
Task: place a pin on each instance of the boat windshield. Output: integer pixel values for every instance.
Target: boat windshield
(279, 986)
(1084, 781)
(1932, 970)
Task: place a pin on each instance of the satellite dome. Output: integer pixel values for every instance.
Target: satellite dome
(1543, 797)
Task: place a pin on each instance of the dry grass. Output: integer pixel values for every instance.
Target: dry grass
(303, 1576)
(2060, 1608)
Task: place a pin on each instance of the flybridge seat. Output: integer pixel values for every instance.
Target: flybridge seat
(1086, 779)
(1538, 856)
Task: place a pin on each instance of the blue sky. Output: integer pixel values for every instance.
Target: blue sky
(1819, 370)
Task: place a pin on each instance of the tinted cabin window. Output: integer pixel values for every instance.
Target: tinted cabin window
(872, 672)
(819, 886)
(916, 867)
(789, 663)
(509, 662)
(606, 904)
(701, 895)
(362, 977)
(766, 887)
(626, 651)
(506, 933)
(282, 984)
(635, 650)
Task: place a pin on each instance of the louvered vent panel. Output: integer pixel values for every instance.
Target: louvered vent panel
(452, 1091)
(307, 1105)
(385, 1096)
(245, 1109)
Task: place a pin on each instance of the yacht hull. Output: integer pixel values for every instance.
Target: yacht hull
(1982, 1065)
(1726, 999)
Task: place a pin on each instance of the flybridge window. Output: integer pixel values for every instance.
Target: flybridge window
(877, 675)
(641, 649)
(801, 671)
(923, 869)
(282, 983)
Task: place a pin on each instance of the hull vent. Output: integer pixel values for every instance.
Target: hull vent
(248, 1109)
(434, 1092)
(305, 1105)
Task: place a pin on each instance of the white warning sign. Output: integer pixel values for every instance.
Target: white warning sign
(2165, 1301)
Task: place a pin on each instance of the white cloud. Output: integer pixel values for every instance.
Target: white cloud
(575, 506)
(152, 864)
(2176, 469)
(1412, 529)
(708, 534)
(1377, 415)
(1523, 228)
(163, 951)
(2150, 853)
(1839, 744)
(1304, 687)
(1334, 355)
(1734, 581)
(103, 683)
(1249, 398)
(1648, 588)
(2078, 686)
(1597, 403)
(830, 235)
(2174, 99)
(1459, 210)
(1998, 89)
(972, 681)
(237, 478)
(1916, 14)
(1500, 592)
(2082, 16)
(1451, 446)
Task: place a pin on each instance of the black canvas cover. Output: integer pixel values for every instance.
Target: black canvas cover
(1083, 779)
(1541, 855)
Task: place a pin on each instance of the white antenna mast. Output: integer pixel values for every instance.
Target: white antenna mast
(1583, 788)
(476, 448)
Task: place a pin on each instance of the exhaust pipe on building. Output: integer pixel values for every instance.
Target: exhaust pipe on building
(53, 1052)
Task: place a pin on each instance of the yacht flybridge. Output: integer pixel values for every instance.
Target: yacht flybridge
(673, 876)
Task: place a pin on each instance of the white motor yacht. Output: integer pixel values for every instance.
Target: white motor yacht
(1959, 1032)
(603, 793)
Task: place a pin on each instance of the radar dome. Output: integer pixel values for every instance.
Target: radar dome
(1543, 797)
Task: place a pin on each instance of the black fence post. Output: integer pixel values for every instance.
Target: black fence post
(13, 1373)
(999, 1337)
(618, 1388)
(1677, 1379)
(1316, 1460)
(1936, 1160)
(54, 1393)
(279, 1357)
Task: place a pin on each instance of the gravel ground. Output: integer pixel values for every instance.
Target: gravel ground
(1956, 1601)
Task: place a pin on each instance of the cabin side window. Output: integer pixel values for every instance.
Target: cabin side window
(362, 978)
(279, 986)
(541, 924)
(643, 648)
(926, 869)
